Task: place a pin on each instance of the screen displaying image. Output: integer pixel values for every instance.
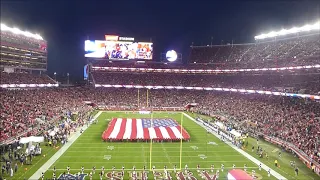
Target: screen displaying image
(118, 50)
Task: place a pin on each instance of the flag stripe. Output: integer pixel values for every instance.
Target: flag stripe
(122, 129)
(158, 133)
(185, 135)
(140, 131)
(109, 130)
(164, 132)
(170, 132)
(146, 133)
(116, 128)
(176, 132)
(152, 133)
(128, 130)
(134, 129)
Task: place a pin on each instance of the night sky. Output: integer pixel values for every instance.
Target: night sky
(174, 24)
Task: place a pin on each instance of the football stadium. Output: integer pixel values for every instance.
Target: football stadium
(241, 111)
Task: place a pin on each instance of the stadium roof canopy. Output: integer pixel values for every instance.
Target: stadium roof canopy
(283, 32)
(18, 31)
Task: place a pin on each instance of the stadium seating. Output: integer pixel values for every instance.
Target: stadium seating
(294, 51)
(25, 78)
(308, 83)
(26, 110)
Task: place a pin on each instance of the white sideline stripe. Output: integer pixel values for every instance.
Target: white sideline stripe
(139, 129)
(58, 154)
(116, 128)
(245, 154)
(127, 133)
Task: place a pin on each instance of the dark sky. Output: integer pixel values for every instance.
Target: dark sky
(174, 24)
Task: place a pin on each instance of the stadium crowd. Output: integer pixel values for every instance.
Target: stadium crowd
(28, 112)
(299, 50)
(308, 83)
(24, 78)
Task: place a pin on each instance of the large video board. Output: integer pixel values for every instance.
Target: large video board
(118, 50)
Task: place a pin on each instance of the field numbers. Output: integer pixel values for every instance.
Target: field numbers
(107, 157)
(212, 143)
(194, 147)
(202, 156)
(110, 148)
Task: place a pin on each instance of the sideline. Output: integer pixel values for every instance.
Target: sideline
(59, 153)
(245, 154)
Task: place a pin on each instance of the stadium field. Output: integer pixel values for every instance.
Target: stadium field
(205, 149)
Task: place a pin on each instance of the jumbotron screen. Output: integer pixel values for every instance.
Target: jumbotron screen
(118, 50)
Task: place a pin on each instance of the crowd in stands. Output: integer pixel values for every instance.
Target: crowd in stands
(24, 78)
(299, 50)
(28, 112)
(308, 83)
(291, 119)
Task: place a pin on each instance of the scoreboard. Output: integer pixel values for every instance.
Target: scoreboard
(118, 48)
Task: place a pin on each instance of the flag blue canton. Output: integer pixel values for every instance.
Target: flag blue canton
(146, 123)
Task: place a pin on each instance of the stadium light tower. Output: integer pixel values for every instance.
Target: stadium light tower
(283, 32)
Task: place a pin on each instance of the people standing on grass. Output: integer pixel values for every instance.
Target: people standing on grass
(296, 170)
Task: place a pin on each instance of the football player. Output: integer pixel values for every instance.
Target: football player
(222, 167)
(245, 167)
(102, 170)
(54, 176)
(94, 169)
(198, 168)
(253, 172)
(269, 173)
(82, 169)
(212, 168)
(217, 174)
(260, 167)
(233, 166)
(68, 169)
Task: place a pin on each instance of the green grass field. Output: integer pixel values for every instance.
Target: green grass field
(89, 150)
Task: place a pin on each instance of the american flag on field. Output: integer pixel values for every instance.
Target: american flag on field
(144, 129)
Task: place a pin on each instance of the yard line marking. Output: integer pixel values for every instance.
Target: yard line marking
(59, 153)
(245, 154)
